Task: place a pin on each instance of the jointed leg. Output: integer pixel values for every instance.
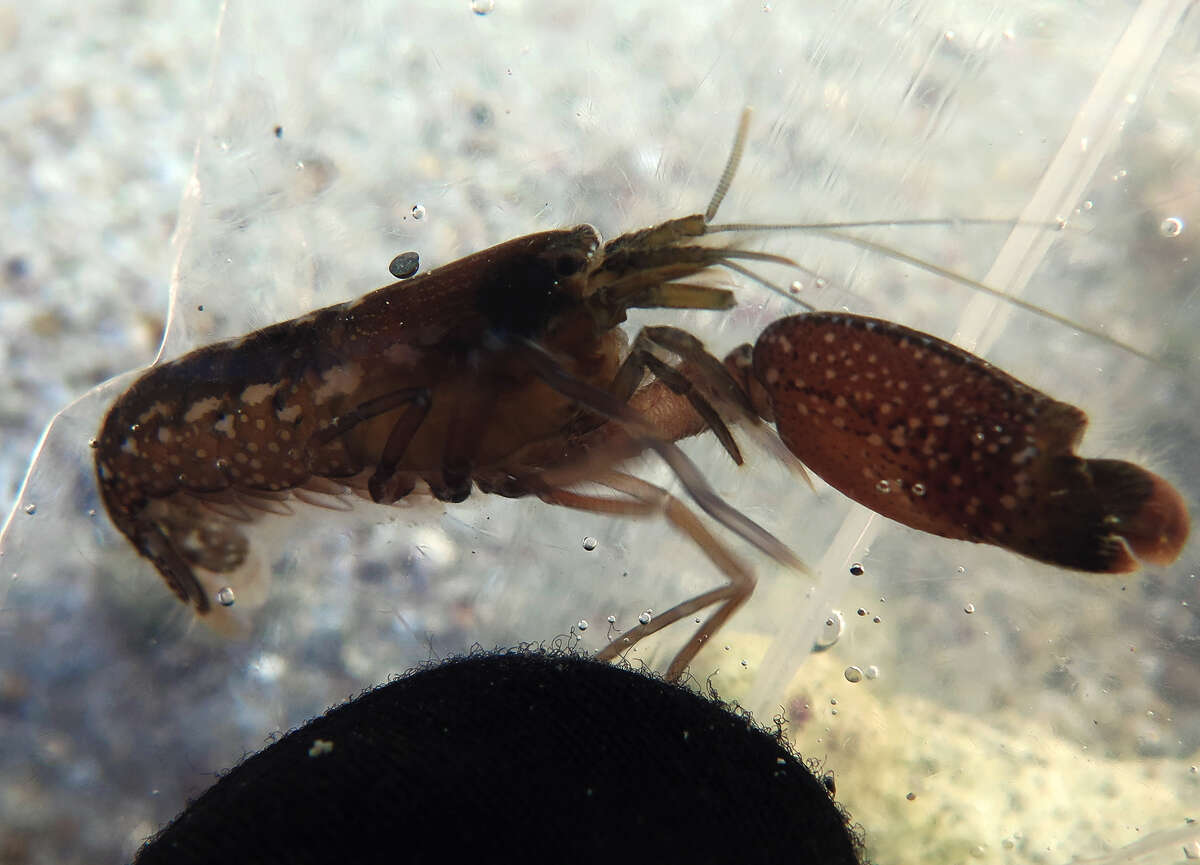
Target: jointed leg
(471, 414)
(641, 435)
(699, 365)
(416, 402)
(707, 368)
(646, 499)
(384, 485)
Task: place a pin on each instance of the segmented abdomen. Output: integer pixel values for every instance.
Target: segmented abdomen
(225, 415)
(232, 416)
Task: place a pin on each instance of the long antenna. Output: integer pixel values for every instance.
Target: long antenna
(836, 231)
(731, 165)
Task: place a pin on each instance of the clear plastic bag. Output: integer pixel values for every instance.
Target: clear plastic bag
(1050, 714)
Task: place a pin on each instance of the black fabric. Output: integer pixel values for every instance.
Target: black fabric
(517, 757)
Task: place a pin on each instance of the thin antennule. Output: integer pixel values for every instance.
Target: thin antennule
(731, 165)
(835, 231)
(984, 288)
(947, 221)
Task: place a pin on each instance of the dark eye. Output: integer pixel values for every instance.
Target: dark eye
(568, 265)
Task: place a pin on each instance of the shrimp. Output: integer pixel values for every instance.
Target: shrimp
(506, 371)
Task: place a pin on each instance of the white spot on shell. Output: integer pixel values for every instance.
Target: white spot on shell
(256, 393)
(201, 408)
(340, 380)
(159, 409)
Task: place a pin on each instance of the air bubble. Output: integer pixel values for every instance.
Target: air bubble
(418, 211)
(969, 608)
(872, 672)
(832, 632)
(226, 597)
(590, 543)
(31, 509)
(645, 617)
(857, 569)
(883, 487)
(582, 624)
(853, 675)
(405, 265)
(612, 620)
(482, 7)
(1172, 226)
(918, 489)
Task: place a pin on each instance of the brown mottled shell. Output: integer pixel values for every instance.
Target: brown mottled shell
(933, 437)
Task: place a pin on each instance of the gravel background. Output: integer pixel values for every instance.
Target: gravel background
(123, 121)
